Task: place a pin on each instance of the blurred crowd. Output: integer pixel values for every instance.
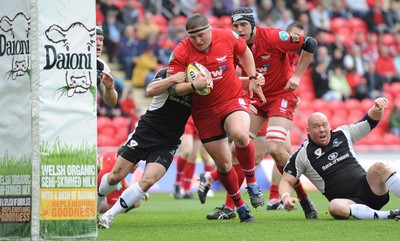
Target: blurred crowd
(358, 53)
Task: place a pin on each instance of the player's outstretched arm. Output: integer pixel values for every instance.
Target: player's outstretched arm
(285, 185)
(159, 86)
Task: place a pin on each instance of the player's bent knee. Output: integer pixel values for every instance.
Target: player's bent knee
(338, 209)
(379, 169)
(147, 183)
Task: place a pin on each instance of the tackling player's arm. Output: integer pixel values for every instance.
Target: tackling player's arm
(157, 86)
(184, 88)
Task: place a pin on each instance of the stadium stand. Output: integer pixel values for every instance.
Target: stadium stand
(112, 132)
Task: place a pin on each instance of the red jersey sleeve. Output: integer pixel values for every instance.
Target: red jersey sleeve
(178, 60)
(281, 40)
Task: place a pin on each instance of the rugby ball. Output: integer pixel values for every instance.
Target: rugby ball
(192, 71)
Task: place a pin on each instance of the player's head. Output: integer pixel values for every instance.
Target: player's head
(296, 27)
(99, 40)
(199, 31)
(243, 22)
(319, 129)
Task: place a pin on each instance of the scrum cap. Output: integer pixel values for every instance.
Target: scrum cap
(99, 30)
(243, 13)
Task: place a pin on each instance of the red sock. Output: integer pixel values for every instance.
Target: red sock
(228, 200)
(273, 192)
(301, 194)
(208, 167)
(180, 165)
(230, 182)
(187, 176)
(214, 174)
(245, 157)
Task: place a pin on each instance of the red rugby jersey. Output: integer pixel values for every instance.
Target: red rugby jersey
(219, 60)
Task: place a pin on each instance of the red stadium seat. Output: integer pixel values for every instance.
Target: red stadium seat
(214, 21)
(387, 39)
(391, 139)
(352, 104)
(366, 104)
(103, 121)
(120, 121)
(335, 105)
(357, 24)
(107, 131)
(103, 140)
(320, 105)
(338, 23)
(225, 22)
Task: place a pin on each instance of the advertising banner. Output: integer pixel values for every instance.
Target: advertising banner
(66, 45)
(15, 121)
(48, 119)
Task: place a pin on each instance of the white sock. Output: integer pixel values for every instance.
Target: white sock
(104, 190)
(128, 198)
(393, 184)
(361, 211)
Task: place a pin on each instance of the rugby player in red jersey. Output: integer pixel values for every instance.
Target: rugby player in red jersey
(271, 48)
(224, 111)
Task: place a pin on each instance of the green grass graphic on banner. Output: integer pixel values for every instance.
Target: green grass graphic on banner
(15, 197)
(68, 191)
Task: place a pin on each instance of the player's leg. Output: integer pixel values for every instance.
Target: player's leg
(190, 168)
(220, 153)
(274, 202)
(237, 125)
(276, 135)
(208, 166)
(109, 181)
(185, 150)
(227, 210)
(157, 165)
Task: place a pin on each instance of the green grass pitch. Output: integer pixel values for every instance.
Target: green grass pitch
(164, 218)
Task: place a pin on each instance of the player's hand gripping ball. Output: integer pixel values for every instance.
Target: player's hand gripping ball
(192, 71)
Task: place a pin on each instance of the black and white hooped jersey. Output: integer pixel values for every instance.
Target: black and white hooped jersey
(334, 168)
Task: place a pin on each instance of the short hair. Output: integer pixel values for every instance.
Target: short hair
(196, 21)
(295, 24)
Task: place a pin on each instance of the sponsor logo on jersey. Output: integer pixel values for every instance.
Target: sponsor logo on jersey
(265, 57)
(332, 156)
(132, 144)
(336, 142)
(171, 57)
(294, 38)
(217, 74)
(235, 34)
(318, 153)
(221, 59)
(283, 35)
(263, 69)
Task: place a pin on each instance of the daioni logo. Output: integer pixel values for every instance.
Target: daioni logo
(70, 51)
(15, 43)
